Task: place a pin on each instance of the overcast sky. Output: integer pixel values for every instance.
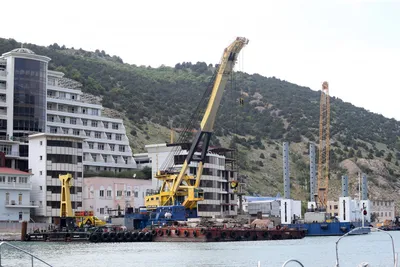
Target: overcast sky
(354, 45)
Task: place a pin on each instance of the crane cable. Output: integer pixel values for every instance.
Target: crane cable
(193, 121)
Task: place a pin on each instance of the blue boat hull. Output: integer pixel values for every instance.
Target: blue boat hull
(330, 229)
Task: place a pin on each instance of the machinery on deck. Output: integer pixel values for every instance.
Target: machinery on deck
(67, 218)
(180, 192)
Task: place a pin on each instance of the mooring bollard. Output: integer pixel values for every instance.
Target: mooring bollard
(24, 227)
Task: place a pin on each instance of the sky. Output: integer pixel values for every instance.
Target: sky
(352, 44)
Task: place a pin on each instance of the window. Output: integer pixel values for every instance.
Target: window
(53, 129)
(91, 145)
(7, 198)
(65, 130)
(390, 214)
(50, 118)
(109, 136)
(94, 123)
(40, 204)
(87, 133)
(84, 110)
(105, 124)
(115, 159)
(105, 158)
(62, 119)
(2, 179)
(121, 148)
(136, 193)
(112, 147)
(128, 193)
(20, 199)
(100, 146)
(41, 143)
(115, 126)
(95, 112)
(119, 193)
(101, 193)
(126, 160)
(41, 173)
(40, 188)
(84, 122)
(97, 134)
(20, 216)
(101, 210)
(72, 120)
(41, 157)
(76, 132)
(61, 108)
(109, 192)
(118, 137)
(12, 179)
(94, 156)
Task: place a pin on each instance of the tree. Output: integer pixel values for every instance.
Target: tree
(389, 157)
(359, 154)
(262, 156)
(351, 153)
(370, 156)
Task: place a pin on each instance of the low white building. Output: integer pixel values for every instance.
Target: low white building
(103, 195)
(15, 188)
(382, 210)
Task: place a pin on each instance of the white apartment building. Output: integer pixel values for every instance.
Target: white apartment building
(34, 99)
(15, 187)
(51, 155)
(219, 198)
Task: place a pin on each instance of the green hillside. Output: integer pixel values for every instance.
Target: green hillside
(152, 99)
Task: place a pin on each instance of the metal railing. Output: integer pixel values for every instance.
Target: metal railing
(23, 251)
(371, 228)
(292, 260)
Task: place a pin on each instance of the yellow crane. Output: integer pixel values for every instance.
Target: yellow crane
(65, 205)
(181, 188)
(324, 147)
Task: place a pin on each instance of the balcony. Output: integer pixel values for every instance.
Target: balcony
(3, 75)
(16, 186)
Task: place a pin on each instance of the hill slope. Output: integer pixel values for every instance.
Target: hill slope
(151, 99)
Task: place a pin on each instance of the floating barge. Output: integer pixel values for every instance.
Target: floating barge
(198, 234)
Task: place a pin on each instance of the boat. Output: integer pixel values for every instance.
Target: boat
(331, 228)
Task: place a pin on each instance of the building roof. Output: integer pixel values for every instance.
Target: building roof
(5, 170)
(56, 135)
(23, 50)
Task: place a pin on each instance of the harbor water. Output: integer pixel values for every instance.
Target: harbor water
(374, 248)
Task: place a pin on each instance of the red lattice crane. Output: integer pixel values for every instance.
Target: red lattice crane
(324, 147)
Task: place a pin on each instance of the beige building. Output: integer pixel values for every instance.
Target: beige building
(332, 208)
(103, 195)
(383, 210)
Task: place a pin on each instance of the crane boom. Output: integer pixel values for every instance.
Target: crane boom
(181, 185)
(324, 147)
(207, 124)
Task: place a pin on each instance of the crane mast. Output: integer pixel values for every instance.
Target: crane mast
(324, 147)
(65, 205)
(181, 188)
